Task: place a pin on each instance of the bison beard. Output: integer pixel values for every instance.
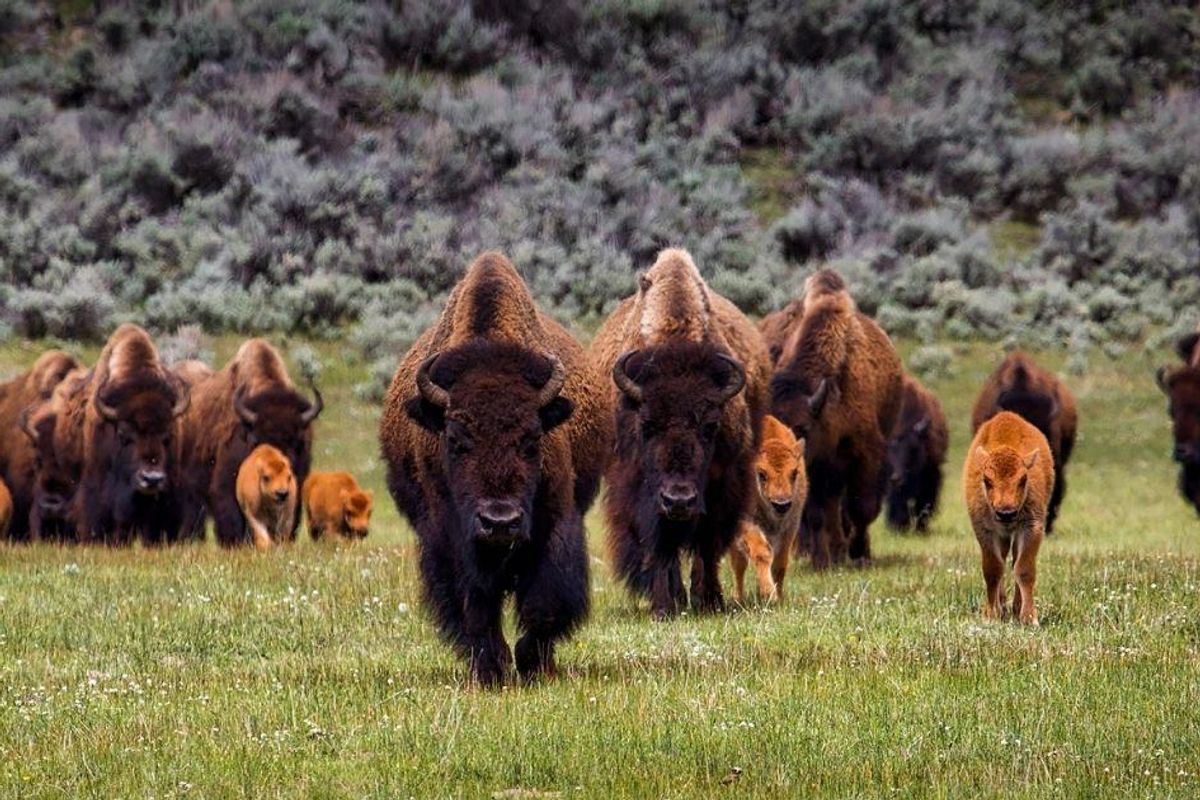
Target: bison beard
(666, 493)
(497, 515)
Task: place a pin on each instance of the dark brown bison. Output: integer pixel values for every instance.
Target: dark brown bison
(1181, 385)
(251, 401)
(17, 398)
(916, 453)
(1021, 386)
(131, 405)
(837, 385)
(58, 459)
(493, 432)
(689, 381)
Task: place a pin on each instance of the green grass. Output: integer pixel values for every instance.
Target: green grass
(775, 182)
(311, 671)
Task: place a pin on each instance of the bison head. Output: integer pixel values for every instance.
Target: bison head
(275, 479)
(143, 411)
(1182, 387)
(56, 473)
(356, 511)
(672, 400)
(782, 478)
(281, 417)
(798, 401)
(491, 405)
(1006, 481)
(906, 451)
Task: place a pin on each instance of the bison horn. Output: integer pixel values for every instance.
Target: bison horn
(922, 425)
(314, 408)
(239, 405)
(430, 391)
(817, 401)
(553, 384)
(736, 380)
(1163, 378)
(104, 409)
(625, 383)
(23, 423)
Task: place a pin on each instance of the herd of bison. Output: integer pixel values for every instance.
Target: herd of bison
(713, 436)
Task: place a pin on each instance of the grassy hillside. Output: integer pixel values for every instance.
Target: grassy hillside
(192, 672)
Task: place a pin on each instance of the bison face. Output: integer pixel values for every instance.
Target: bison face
(1006, 481)
(491, 405)
(781, 475)
(281, 418)
(1182, 387)
(356, 512)
(144, 413)
(798, 402)
(56, 474)
(275, 478)
(906, 452)
(673, 398)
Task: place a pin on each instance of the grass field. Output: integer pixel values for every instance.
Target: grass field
(311, 671)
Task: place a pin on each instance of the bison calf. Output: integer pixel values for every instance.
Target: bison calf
(266, 493)
(1007, 481)
(6, 509)
(334, 502)
(916, 454)
(769, 529)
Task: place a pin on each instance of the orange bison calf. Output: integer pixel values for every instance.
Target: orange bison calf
(335, 502)
(769, 529)
(1007, 481)
(266, 493)
(6, 507)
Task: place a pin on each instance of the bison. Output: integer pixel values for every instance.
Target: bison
(837, 385)
(771, 526)
(916, 453)
(251, 401)
(18, 397)
(129, 411)
(1181, 385)
(58, 459)
(6, 509)
(689, 381)
(266, 493)
(493, 433)
(334, 502)
(1008, 479)
(1021, 386)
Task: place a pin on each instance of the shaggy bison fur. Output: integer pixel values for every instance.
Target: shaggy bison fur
(1181, 385)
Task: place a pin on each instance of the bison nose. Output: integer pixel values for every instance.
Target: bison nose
(500, 519)
(1006, 515)
(281, 495)
(50, 503)
(1184, 453)
(150, 480)
(781, 506)
(678, 500)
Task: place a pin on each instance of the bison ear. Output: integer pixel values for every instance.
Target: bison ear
(800, 446)
(981, 452)
(555, 413)
(816, 403)
(1187, 345)
(428, 415)
(1031, 459)
(776, 351)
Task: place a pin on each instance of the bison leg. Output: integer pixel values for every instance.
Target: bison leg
(993, 576)
(755, 544)
(1056, 498)
(706, 580)
(227, 519)
(899, 513)
(1025, 572)
(927, 497)
(779, 566)
(553, 601)
(737, 560)
(865, 497)
(667, 595)
(487, 651)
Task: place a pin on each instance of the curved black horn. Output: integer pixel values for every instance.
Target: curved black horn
(104, 409)
(314, 408)
(625, 383)
(239, 405)
(553, 384)
(430, 391)
(736, 381)
(1161, 377)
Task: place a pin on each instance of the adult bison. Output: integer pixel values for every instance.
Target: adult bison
(129, 412)
(493, 432)
(17, 398)
(689, 381)
(916, 453)
(837, 385)
(251, 401)
(1181, 384)
(1023, 387)
(58, 459)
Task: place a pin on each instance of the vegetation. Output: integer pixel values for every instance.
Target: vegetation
(299, 164)
(312, 670)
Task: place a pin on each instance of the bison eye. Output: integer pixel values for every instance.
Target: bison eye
(795, 474)
(987, 484)
(762, 476)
